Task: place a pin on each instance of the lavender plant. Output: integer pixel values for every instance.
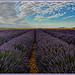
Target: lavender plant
(54, 55)
(15, 54)
(6, 35)
(69, 38)
(72, 32)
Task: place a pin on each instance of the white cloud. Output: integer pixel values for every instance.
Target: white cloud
(68, 17)
(16, 25)
(39, 18)
(29, 8)
(42, 18)
(57, 15)
(73, 8)
(52, 8)
(68, 8)
(8, 13)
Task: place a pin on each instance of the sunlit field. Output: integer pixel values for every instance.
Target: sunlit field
(37, 50)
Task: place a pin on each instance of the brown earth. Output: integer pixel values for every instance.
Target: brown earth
(33, 63)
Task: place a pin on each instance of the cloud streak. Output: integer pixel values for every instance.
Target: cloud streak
(16, 12)
(68, 17)
(27, 8)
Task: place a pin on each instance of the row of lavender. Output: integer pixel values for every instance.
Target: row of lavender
(15, 54)
(60, 31)
(54, 55)
(66, 31)
(6, 35)
(64, 35)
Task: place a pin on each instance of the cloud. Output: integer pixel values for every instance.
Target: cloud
(9, 13)
(9, 10)
(68, 17)
(73, 8)
(42, 18)
(29, 8)
(16, 25)
(50, 9)
(57, 15)
(39, 18)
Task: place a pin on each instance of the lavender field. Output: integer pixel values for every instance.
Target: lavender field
(54, 51)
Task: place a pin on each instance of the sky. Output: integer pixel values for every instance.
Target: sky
(37, 14)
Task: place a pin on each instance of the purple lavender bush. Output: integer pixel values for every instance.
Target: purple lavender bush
(54, 55)
(69, 38)
(6, 35)
(72, 32)
(15, 54)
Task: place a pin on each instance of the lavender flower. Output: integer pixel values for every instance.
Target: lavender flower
(53, 55)
(15, 54)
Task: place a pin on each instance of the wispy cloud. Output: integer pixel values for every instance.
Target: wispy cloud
(73, 8)
(42, 18)
(57, 15)
(16, 25)
(52, 8)
(68, 17)
(9, 14)
(9, 10)
(39, 18)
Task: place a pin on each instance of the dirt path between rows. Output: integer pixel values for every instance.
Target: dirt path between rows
(33, 64)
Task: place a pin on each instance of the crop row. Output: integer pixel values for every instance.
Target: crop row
(69, 38)
(6, 35)
(72, 32)
(15, 54)
(54, 55)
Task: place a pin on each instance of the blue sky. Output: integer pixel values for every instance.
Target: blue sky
(37, 14)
